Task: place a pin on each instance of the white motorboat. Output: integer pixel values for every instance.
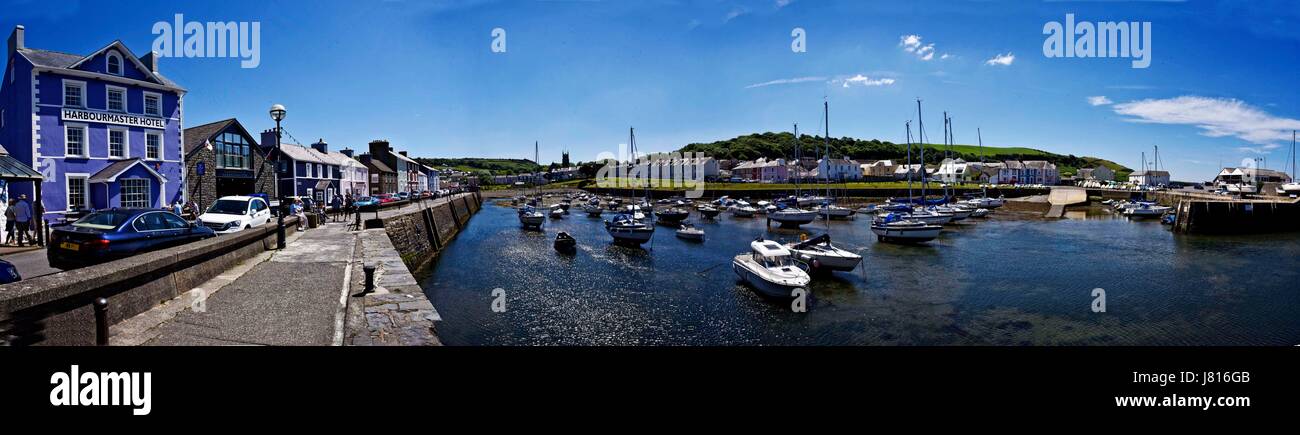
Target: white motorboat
(530, 217)
(820, 254)
(1146, 209)
(742, 211)
(689, 232)
(626, 229)
(985, 202)
(1289, 189)
(893, 227)
(770, 269)
(835, 211)
(792, 217)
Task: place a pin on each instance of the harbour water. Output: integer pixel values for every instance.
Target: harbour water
(1010, 279)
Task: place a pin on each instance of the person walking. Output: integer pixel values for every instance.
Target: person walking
(23, 214)
(11, 221)
(336, 205)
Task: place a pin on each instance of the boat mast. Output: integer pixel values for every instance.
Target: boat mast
(908, 125)
(920, 136)
(826, 114)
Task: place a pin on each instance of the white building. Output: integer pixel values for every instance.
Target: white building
(951, 171)
(841, 169)
(1149, 178)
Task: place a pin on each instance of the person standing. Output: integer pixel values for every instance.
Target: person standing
(23, 214)
(337, 205)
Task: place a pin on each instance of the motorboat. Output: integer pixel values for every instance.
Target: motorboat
(565, 243)
(820, 254)
(689, 232)
(672, 214)
(893, 227)
(835, 211)
(626, 229)
(708, 211)
(742, 211)
(530, 217)
(986, 202)
(792, 217)
(770, 269)
(1146, 209)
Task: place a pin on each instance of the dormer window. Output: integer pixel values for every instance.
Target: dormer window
(114, 63)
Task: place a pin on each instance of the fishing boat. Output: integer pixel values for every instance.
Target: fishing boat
(530, 217)
(892, 227)
(821, 255)
(565, 243)
(689, 232)
(770, 269)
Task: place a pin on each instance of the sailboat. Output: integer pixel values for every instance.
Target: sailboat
(907, 227)
(819, 252)
(920, 213)
(631, 227)
(959, 211)
(529, 217)
(1292, 188)
(793, 216)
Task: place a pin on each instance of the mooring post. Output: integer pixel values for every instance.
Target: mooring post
(370, 281)
(101, 321)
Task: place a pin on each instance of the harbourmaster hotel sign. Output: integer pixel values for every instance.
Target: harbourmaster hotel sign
(113, 118)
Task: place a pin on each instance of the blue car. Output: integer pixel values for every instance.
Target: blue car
(9, 273)
(366, 202)
(109, 235)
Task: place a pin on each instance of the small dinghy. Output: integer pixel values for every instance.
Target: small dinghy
(689, 232)
(565, 243)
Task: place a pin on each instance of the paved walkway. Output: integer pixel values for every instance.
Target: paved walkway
(288, 298)
(31, 262)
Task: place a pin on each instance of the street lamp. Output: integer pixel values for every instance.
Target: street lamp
(277, 114)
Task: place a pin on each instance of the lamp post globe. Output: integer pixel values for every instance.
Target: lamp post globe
(277, 114)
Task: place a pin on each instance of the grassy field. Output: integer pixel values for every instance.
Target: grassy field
(988, 151)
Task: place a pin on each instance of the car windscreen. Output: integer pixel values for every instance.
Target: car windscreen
(103, 220)
(229, 206)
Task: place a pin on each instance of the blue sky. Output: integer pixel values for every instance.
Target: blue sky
(1221, 86)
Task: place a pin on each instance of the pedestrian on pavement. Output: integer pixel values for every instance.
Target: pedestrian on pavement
(337, 206)
(178, 207)
(23, 214)
(11, 221)
(298, 210)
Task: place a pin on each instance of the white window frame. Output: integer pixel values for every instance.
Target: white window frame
(108, 90)
(67, 194)
(145, 103)
(148, 191)
(126, 142)
(85, 139)
(148, 134)
(121, 64)
(81, 92)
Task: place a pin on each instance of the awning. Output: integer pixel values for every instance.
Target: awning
(322, 184)
(12, 169)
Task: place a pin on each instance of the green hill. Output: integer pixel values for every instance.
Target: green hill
(774, 145)
(481, 165)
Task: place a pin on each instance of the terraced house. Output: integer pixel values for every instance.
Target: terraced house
(103, 128)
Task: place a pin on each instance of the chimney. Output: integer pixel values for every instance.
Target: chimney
(378, 147)
(346, 152)
(403, 153)
(17, 40)
(321, 146)
(150, 61)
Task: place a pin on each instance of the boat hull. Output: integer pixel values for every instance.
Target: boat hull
(631, 236)
(886, 233)
(761, 286)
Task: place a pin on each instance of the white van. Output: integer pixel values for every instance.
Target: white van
(236, 213)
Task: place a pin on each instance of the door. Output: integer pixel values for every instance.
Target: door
(260, 211)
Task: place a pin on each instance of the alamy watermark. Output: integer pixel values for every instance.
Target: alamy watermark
(214, 39)
(1104, 39)
(671, 170)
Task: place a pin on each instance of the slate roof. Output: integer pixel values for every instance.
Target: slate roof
(196, 136)
(110, 172)
(60, 60)
(12, 169)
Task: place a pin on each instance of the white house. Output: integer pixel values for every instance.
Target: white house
(840, 169)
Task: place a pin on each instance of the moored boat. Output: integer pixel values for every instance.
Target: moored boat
(821, 255)
(895, 228)
(770, 269)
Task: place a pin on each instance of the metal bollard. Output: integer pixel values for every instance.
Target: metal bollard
(370, 281)
(101, 322)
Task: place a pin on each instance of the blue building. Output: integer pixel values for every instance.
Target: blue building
(103, 129)
(315, 172)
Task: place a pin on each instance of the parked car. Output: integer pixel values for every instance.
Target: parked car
(236, 213)
(108, 235)
(385, 198)
(402, 196)
(9, 273)
(366, 202)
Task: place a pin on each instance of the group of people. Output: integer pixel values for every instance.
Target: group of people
(18, 221)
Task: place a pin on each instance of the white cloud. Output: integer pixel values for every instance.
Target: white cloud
(865, 81)
(912, 44)
(1216, 117)
(735, 12)
(1099, 100)
(783, 3)
(787, 81)
(1001, 60)
(945, 56)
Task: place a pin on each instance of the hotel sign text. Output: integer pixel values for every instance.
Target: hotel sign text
(113, 118)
